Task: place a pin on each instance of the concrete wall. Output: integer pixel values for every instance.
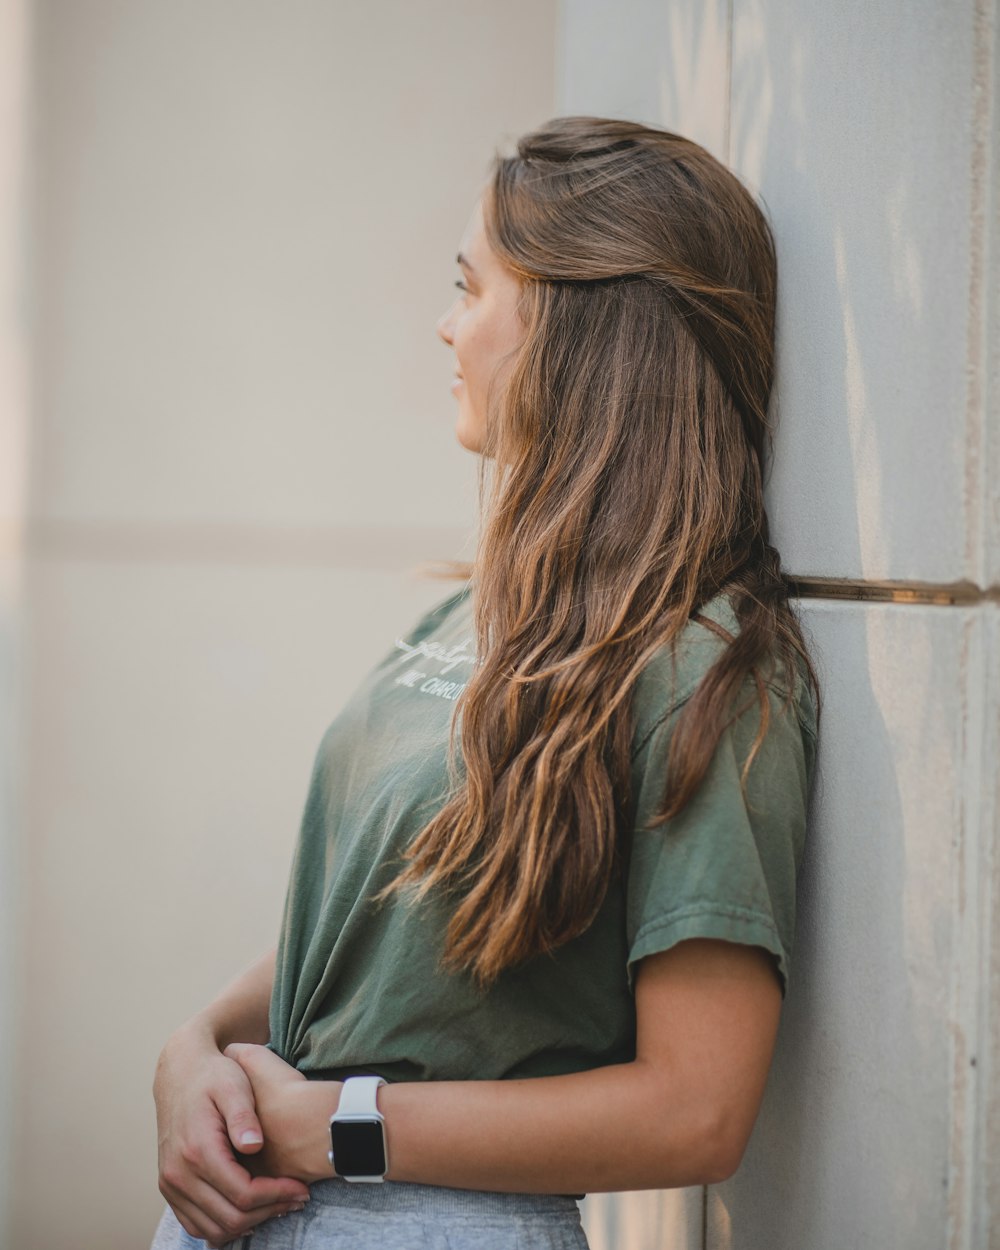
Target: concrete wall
(243, 439)
(870, 131)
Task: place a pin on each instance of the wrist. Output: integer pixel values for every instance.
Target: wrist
(218, 1028)
(182, 1055)
(316, 1101)
(199, 1033)
(184, 1048)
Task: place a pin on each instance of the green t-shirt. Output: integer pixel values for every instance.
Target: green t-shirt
(357, 988)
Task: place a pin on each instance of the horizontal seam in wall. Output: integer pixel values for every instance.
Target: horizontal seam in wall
(361, 546)
(945, 594)
(367, 546)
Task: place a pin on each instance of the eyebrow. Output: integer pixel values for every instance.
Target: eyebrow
(463, 260)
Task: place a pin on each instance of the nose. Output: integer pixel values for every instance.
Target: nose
(444, 326)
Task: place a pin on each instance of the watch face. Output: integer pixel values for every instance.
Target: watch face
(358, 1147)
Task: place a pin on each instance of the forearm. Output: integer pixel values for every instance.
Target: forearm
(239, 1013)
(618, 1127)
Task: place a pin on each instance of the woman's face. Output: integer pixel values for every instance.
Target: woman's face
(481, 327)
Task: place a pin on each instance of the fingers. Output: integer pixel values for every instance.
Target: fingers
(242, 1053)
(216, 1199)
(236, 1106)
(258, 1060)
(218, 1222)
(216, 1166)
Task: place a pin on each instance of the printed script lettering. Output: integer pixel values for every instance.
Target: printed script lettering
(445, 658)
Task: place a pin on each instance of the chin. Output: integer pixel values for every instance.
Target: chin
(468, 436)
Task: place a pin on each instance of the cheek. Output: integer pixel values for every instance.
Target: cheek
(472, 342)
(466, 351)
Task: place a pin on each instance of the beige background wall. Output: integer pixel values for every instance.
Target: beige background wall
(246, 218)
(14, 419)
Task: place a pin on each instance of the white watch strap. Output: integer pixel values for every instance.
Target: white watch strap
(358, 1097)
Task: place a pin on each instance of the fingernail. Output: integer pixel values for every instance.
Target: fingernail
(300, 1207)
(250, 1138)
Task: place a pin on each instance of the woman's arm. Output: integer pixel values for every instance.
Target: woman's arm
(239, 1012)
(205, 1108)
(680, 1114)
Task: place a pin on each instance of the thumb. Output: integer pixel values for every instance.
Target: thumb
(261, 1063)
(236, 1105)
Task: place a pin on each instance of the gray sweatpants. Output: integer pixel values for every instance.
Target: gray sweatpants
(401, 1215)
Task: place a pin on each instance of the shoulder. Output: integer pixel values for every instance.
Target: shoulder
(438, 613)
(676, 671)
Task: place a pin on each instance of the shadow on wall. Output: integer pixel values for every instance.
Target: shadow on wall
(828, 128)
(700, 30)
(866, 359)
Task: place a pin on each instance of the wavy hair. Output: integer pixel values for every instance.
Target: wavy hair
(627, 444)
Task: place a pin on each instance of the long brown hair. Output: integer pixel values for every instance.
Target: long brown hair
(627, 449)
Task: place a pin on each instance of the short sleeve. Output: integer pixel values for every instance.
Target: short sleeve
(725, 866)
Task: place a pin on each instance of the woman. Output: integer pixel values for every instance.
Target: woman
(561, 938)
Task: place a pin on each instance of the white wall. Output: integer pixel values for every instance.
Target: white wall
(243, 438)
(871, 133)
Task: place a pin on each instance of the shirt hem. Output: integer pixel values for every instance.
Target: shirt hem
(731, 924)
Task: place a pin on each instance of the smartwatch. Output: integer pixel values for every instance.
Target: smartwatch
(357, 1133)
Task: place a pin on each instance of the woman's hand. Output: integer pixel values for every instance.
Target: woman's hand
(296, 1136)
(205, 1110)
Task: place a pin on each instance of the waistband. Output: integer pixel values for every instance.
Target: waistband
(410, 1197)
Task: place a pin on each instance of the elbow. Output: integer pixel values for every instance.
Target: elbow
(720, 1167)
(699, 1139)
(712, 1147)
(708, 1162)
(723, 1148)
(707, 1156)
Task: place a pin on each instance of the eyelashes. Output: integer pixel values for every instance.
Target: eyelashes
(461, 285)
